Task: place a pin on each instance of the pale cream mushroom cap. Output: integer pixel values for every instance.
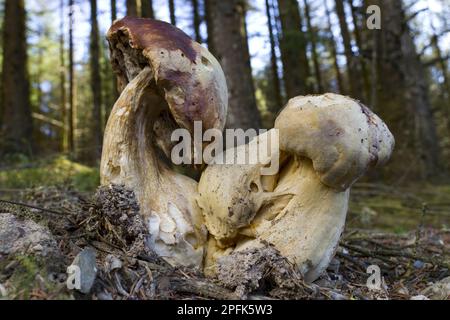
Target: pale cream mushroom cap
(341, 136)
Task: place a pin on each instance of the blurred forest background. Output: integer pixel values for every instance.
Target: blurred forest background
(57, 89)
(57, 85)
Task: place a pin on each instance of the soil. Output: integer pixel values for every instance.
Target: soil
(60, 223)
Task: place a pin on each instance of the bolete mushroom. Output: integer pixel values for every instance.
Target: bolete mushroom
(327, 142)
(168, 82)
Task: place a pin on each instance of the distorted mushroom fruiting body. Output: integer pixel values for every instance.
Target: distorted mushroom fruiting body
(327, 142)
(168, 81)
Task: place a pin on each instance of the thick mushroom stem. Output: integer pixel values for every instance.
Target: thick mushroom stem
(166, 198)
(308, 228)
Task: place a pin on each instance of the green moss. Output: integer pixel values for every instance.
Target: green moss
(55, 172)
(399, 209)
(30, 275)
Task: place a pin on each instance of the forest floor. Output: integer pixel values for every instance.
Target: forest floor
(404, 231)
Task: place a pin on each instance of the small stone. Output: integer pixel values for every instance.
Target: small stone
(85, 260)
(104, 296)
(334, 265)
(337, 296)
(3, 291)
(112, 263)
(17, 236)
(418, 264)
(37, 248)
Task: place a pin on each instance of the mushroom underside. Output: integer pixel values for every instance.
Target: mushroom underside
(132, 157)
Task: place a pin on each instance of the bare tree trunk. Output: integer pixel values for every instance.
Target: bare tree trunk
(374, 70)
(444, 69)
(273, 63)
(359, 43)
(293, 49)
(62, 80)
(71, 118)
(312, 37)
(352, 70)
(332, 44)
(197, 20)
(97, 132)
(38, 87)
(17, 126)
(227, 29)
(173, 19)
(147, 9)
(132, 8)
(115, 90)
(113, 10)
(442, 63)
(403, 99)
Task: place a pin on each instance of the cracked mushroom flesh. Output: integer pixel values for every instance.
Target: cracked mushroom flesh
(168, 81)
(326, 143)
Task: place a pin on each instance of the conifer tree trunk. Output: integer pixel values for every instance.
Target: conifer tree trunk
(17, 126)
(293, 49)
(227, 40)
(315, 56)
(96, 86)
(173, 19)
(147, 9)
(72, 107)
(273, 62)
(132, 8)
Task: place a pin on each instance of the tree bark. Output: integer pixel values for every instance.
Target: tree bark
(332, 43)
(444, 70)
(17, 121)
(96, 85)
(115, 90)
(403, 97)
(359, 43)
(147, 9)
(442, 63)
(173, 19)
(113, 10)
(71, 118)
(293, 49)
(273, 63)
(196, 20)
(227, 40)
(62, 79)
(312, 37)
(354, 78)
(132, 8)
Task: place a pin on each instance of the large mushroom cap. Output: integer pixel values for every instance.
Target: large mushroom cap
(190, 78)
(341, 136)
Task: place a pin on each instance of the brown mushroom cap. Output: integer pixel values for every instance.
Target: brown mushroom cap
(188, 77)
